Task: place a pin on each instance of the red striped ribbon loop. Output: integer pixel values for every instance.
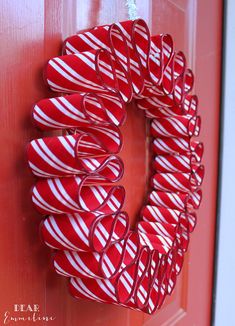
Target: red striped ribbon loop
(109, 38)
(84, 231)
(138, 41)
(176, 146)
(190, 105)
(64, 156)
(174, 69)
(69, 195)
(77, 110)
(130, 276)
(160, 55)
(90, 71)
(154, 108)
(183, 182)
(180, 126)
(109, 137)
(171, 216)
(178, 201)
(79, 191)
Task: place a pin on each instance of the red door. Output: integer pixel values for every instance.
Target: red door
(31, 33)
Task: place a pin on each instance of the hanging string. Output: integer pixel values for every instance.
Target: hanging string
(132, 9)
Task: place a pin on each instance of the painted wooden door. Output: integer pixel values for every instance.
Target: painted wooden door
(31, 33)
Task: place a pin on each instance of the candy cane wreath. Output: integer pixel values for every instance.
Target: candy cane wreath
(103, 69)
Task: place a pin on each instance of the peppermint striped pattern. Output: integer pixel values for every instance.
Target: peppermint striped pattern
(59, 156)
(84, 231)
(77, 110)
(102, 69)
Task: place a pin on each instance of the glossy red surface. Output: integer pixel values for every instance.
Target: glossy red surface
(31, 33)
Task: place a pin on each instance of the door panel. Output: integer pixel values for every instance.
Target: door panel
(32, 32)
(196, 29)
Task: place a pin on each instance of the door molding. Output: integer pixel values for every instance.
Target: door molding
(225, 266)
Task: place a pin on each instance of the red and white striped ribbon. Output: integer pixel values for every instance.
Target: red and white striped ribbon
(77, 110)
(106, 264)
(64, 156)
(84, 231)
(89, 71)
(183, 182)
(180, 126)
(174, 163)
(106, 67)
(121, 54)
(175, 146)
(176, 81)
(160, 54)
(72, 194)
(161, 214)
(178, 201)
